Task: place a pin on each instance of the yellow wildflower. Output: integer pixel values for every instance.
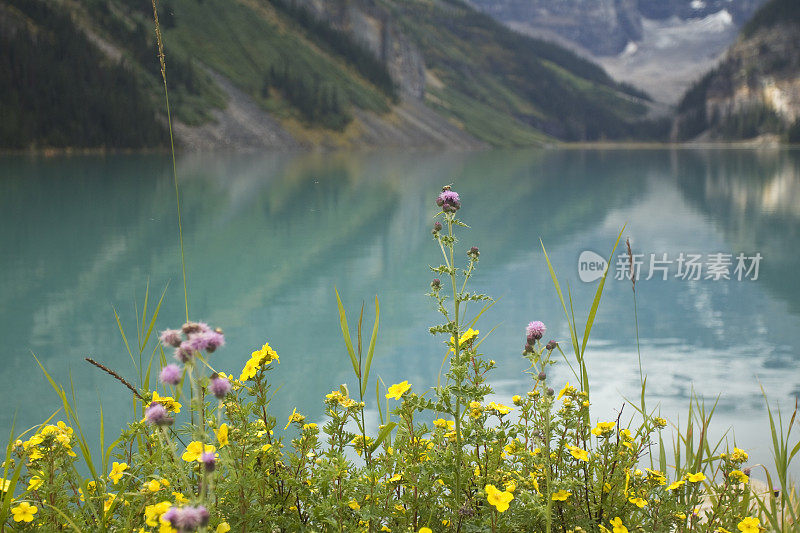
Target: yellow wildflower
(34, 483)
(561, 496)
(500, 499)
(354, 505)
(603, 428)
(195, 449)
(425, 530)
(249, 371)
(444, 424)
(222, 435)
(463, 339)
(739, 476)
(24, 512)
(223, 527)
(152, 513)
(618, 527)
(168, 402)
(294, 417)
(638, 502)
(656, 476)
(116, 471)
(397, 390)
(739, 456)
(265, 355)
(568, 389)
(748, 525)
(499, 407)
(578, 453)
(180, 498)
(675, 484)
(90, 487)
(696, 478)
(109, 502)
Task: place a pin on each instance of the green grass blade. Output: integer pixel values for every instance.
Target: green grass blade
(597, 295)
(142, 342)
(358, 332)
(485, 308)
(560, 296)
(382, 436)
(566, 360)
(378, 397)
(371, 349)
(63, 515)
(346, 334)
(124, 338)
(153, 318)
(12, 485)
(103, 464)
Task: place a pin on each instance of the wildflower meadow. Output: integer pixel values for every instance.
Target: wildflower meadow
(204, 451)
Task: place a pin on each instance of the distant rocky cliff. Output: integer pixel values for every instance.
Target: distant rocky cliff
(661, 46)
(755, 91)
(605, 27)
(372, 26)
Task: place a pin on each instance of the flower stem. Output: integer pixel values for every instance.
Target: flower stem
(457, 349)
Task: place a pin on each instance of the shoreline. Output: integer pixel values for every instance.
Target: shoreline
(751, 144)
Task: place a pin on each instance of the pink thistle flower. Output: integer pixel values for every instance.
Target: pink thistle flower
(449, 201)
(170, 374)
(171, 337)
(171, 516)
(157, 415)
(209, 460)
(219, 386)
(190, 518)
(184, 352)
(535, 330)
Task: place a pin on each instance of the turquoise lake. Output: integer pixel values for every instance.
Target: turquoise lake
(268, 237)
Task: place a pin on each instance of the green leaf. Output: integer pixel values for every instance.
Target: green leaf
(153, 318)
(124, 338)
(598, 294)
(371, 349)
(385, 432)
(346, 334)
(561, 298)
(378, 397)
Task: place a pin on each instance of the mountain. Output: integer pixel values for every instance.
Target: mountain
(755, 90)
(289, 74)
(605, 27)
(658, 45)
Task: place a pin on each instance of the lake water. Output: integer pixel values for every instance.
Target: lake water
(267, 238)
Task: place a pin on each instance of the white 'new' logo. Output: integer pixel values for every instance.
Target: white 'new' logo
(591, 266)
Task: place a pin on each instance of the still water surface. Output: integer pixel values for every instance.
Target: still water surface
(267, 238)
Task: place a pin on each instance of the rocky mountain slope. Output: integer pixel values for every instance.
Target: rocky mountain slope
(755, 90)
(605, 27)
(289, 74)
(659, 45)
